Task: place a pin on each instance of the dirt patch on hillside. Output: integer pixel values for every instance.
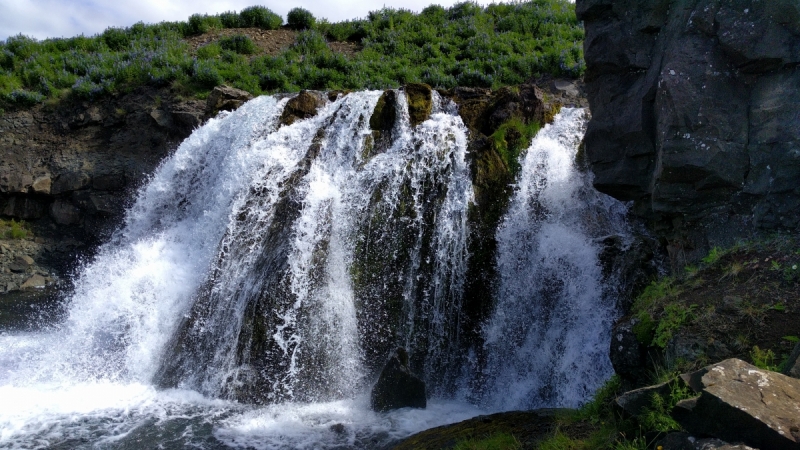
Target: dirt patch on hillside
(269, 42)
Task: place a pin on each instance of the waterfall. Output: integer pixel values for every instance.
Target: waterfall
(547, 340)
(266, 271)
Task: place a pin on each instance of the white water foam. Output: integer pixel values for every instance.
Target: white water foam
(548, 338)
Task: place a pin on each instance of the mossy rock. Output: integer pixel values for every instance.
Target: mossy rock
(420, 102)
(303, 106)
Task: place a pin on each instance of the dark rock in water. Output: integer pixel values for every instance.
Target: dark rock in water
(303, 106)
(338, 428)
(225, 98)
(696, 115)
(684, 441)
(420, 102)
(397, 387)
(382, 123)
(742, 403)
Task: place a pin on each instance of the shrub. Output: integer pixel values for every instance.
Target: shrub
(15, 230)
(260, 17)
(238, 43)
(21, 97)
(230, 19)
(201, 24)
(209, 51)
(300, 19)
(116, 39)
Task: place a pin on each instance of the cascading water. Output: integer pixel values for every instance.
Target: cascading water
(548, 338)
(280, 264)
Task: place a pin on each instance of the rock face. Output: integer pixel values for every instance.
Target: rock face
(69, 170)
(739, 402)
(397, 387)
(792, 367)
(696, 114)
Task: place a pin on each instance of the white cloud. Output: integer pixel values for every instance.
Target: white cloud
(62, 18)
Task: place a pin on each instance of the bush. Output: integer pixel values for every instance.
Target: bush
(201, 24)
(238, 43)
(260, 17)
(209, 51)
(116, 39)
(300, 19)
(230, 19)
(22, 97)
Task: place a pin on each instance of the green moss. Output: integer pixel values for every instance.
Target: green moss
(511, 139)
(496, 441)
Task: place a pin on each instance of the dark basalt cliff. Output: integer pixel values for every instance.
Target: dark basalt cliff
(696, 115)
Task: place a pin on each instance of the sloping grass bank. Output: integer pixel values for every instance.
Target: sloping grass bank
(464, 45)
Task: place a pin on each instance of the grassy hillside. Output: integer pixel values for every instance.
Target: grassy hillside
(466, 45)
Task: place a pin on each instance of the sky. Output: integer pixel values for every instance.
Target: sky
(65, 18)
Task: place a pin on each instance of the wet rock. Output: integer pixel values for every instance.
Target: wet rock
(397, 387)
(36, 281)
(64, 212)
(303, 106)
(382, 123)
(628, 355)
(225, 98)
(420, 102)
(792, 367)
(21, 264)
(109, 182)
(742, 403)
(22, 207)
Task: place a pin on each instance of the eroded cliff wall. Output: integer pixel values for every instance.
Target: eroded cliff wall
(696, 115)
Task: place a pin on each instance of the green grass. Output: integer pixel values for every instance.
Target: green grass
(464, 45)
(511, 139)
(12, 229)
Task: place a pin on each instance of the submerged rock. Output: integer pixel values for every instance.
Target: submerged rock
(397, 387)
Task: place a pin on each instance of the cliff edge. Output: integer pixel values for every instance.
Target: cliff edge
(696, 115)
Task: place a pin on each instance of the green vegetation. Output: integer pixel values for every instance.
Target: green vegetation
(11, 229)
(511, 139)
(300, 19)
(763, 359)
(466, 45)
(496, 441)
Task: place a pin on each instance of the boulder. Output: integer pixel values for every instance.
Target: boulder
(302, 106)
(397, 387)
(739, 402)
(420, 102)
(636, 401)
(225, 98)
(21, 263)
(36, 281)
(628, 355)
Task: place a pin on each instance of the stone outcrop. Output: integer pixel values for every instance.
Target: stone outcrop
(420, 102)
(226, 98)
(69, 169)
(696, 114)
(397, 387)
(739, 402)
(302, 106)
